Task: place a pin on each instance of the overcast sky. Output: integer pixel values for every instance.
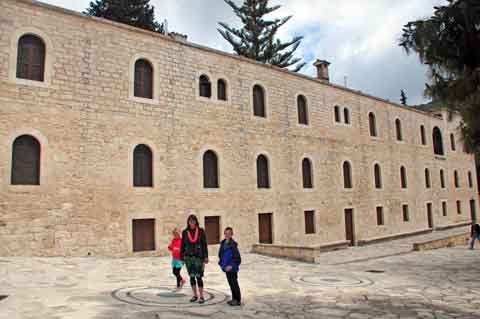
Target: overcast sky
(359, 38)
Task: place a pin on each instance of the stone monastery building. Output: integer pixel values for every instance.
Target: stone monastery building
(110, 136)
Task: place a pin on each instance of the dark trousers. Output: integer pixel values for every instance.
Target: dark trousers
(232, 278)
(176, 272)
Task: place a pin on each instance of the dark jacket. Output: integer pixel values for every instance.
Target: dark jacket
(198, 249)
(475, 230)
(229, 255)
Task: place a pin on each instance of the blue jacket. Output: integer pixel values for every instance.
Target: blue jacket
(229, 255)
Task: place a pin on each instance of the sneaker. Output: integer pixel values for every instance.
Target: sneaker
(201, 301)
(194, 298)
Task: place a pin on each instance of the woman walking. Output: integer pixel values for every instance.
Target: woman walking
(195, 254)
(474, 234)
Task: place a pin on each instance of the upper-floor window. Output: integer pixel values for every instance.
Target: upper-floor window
(442, 178)
(347, 175)
(205, 86)
(423, 136)
(398, 130)
(470, 179)
(263, 176)
(31, 58)
(372, 122)
(427, 178)
(452, 142)
(143, 86)
(222, 90)
(337, 114)
(455, 179)
(259, 101)
(25, 161)
(142, 166)
(437, 141)
(210, 170)
(377, 172)
(302, 110)
(307, 173)
(403, 177)
(346, 116)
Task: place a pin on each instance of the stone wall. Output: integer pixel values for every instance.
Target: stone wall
(88, 123)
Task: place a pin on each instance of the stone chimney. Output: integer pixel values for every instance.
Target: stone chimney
(322, 70)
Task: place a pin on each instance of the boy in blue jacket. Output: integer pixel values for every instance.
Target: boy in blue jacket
(229, 261)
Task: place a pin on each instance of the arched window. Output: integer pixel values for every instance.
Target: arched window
(142, 166)
(337, 114)
(455, 178)
(398, 130)
(403, 177)
(25, 161)
(143, 79)
(307, 173)
(442, 178)
(452, 142)
(423, 137)
(210, 170)
(31, 58)
(346, 115)
(377, 171)
(258, 101)
(372, 122)
(222, 90)
(302, 110)
(205, 86)
(427, 178)
(347, 175)
(263, 177)
(470, 179)
(437, 141)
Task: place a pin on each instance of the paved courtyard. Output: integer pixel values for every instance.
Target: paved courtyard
(435, 284)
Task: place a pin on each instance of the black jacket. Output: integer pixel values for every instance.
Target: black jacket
(198, 249)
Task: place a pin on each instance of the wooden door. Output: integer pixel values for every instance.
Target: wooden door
(429, 215)
(265, 228)
(473, 211)
(212, 229)
(143, 234)
(349, 231)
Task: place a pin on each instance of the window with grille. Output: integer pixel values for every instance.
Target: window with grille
(31, 58)
(25, 161)
(143, 79)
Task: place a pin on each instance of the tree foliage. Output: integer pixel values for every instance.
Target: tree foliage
(256, 39)
(137, 13)
(449, 44)
(403, 97)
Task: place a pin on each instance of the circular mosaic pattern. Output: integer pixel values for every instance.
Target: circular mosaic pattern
(332, 280)
(166, 296)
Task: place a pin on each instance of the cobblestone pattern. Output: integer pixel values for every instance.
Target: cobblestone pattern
(434, 284)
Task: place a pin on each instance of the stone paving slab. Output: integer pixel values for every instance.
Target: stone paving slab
(441, 283)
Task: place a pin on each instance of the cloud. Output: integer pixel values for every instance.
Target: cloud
(360, 38)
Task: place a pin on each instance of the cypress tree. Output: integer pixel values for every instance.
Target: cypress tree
(137, 13)
(403, 97)
(256, 39)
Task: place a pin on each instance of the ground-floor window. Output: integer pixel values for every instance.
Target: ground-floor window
(406, 213)
(309, 222)
(143, 231)
(212, 229)
(380, 221)
(265, 232)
